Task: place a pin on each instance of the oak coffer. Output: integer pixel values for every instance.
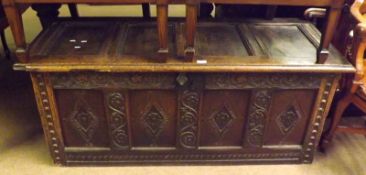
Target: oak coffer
(254, 94)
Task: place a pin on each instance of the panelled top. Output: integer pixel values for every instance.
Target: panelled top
(130, 46)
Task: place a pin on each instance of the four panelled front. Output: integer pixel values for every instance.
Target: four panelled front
(185, 117)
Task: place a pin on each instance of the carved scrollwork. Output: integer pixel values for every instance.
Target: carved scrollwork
(118, 120)
(257, 116)
(249, 81)
(188, 119)
(90, 80)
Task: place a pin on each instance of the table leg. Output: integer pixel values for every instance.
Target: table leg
(162, 17)
(191, 25)
(333, 15)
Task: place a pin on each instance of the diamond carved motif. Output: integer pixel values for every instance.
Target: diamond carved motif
(154, 121)
(84, 121)
(288, 119)
(222, 119)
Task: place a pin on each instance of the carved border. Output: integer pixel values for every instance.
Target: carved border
(93, 80)
(322, 105)
(257, 116)
(262, 80)
(49, 118)
(94, 157)
(117, 120)
(188, 119)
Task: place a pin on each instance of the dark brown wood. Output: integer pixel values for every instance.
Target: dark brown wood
(333, 14)
(334, 8)
(150, 125)
(191, 22)
(162, 19)
(256, 99)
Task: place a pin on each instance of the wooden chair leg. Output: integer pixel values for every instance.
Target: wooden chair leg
(5, 45)
(73, 10)
(191, 25)
(333, 15)
(162, 19)
(16, 25)
(336, 118)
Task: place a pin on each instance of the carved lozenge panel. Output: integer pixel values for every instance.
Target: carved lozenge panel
(153, 116)
(223, 116)
(289, 115)
(83, 119)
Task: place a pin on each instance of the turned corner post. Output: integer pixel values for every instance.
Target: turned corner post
(16, 25)
(162, 20)
(191, 25)
(333, 14)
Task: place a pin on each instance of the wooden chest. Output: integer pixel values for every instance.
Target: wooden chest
(254, 96)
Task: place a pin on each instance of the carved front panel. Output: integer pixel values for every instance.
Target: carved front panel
(185, 116)
(222, 119)
(82, 118)
(289, 115)
(153, 118)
